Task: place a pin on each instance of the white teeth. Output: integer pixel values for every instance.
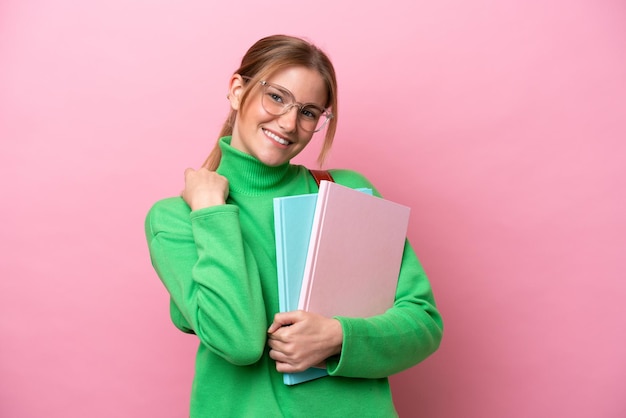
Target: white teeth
(276, 138)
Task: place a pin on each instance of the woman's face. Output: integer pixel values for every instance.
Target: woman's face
(274, 140)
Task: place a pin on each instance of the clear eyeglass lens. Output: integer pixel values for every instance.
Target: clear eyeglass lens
(278, 102)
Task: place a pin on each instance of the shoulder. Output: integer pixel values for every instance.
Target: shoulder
(168, 215)
(352, 179)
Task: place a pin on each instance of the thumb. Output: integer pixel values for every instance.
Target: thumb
(282, 319)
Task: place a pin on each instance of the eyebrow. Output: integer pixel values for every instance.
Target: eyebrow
(286, 90)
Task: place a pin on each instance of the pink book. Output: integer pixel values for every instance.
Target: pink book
(354, 253)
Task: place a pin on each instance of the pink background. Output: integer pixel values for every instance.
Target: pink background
(501, 123)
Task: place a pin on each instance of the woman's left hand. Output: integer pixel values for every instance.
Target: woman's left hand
(299, 340)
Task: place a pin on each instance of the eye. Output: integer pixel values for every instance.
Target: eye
(311, 112)
(275, 97)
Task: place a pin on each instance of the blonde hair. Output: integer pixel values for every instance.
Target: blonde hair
(265, 58)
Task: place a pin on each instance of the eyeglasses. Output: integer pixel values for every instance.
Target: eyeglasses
(277, 101)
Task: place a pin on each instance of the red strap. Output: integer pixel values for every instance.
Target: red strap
(320, 175)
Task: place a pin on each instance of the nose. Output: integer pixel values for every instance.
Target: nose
(289, 120)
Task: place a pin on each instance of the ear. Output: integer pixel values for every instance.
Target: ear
(235, 90)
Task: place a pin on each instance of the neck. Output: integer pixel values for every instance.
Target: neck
(246, 174)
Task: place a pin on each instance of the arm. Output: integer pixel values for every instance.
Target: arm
(178, 319)
(210, 274)
(363, 347)
(367, 347)
(398, 339)
(401, 337)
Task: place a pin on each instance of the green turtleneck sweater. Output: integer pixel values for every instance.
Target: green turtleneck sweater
(219, 266)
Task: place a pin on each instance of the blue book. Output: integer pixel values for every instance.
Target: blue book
(293, 219)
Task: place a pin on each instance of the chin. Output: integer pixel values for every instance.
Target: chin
(273, 163)
(273, 159)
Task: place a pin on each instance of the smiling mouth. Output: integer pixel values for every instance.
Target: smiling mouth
(276, 138)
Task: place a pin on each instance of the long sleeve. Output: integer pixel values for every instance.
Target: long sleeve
(403, 336)
(406, 334)
(211, 276)
(219, 267)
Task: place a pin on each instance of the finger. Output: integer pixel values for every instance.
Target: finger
(290, 367)
(188, 171)
(275, 326)
(283, 319)
(283, 361)
(274, 341)
(287, 368)
(280, 357)
(276, 355)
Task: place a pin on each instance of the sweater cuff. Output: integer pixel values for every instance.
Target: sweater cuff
(212, 210)
(355, 350)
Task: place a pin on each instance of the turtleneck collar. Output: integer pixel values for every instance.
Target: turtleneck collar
(247, 175)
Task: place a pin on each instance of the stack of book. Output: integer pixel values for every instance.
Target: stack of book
(338, 253)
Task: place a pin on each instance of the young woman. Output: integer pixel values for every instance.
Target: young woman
(214, 250)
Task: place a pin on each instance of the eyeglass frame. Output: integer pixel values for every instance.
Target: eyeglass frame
(300, 106)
